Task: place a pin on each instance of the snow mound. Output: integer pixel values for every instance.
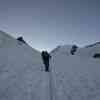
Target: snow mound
(71, 77)
(89, 51)
(76, 77)
(65, 49)
(21, 76)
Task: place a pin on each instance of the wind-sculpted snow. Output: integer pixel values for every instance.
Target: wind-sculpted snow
(88, 52)
(71, 77)
(80, 89)
(21, 75)
(76, 78)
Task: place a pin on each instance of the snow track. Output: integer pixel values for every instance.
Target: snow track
(71, 77)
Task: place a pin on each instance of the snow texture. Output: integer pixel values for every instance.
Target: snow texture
(21, 77)
(71, 77)
(77, 77)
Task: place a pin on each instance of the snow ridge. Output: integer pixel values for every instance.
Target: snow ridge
(71, 77)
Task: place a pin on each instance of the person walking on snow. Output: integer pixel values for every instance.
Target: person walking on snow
(46, 57)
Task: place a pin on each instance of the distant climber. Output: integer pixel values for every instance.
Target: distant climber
(21, 39)
(74, 49)
(46, 57)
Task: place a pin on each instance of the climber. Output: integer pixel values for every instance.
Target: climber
(46, 57)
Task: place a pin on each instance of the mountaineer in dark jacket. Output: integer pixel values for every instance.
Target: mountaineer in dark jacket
(46, 57)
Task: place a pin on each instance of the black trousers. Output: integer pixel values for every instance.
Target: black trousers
(46, 67)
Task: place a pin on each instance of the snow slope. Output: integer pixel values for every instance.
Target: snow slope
(76, 77)
(89, 50)
(21, 75)
(71, 77)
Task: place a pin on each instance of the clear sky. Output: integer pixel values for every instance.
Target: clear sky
(47, 23)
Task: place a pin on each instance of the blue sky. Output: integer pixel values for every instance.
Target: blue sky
(47, 23)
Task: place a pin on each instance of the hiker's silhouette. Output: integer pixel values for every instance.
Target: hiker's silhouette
(46, 57)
